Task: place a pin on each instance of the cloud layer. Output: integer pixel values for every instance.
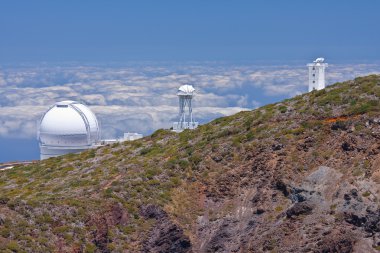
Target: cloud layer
(142, 97)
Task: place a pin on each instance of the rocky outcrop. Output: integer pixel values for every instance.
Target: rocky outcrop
(339, 241)
(100, 232)
(370, 221)
(164, 236)
(99, 224)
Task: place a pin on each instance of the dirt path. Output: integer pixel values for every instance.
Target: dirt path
(110, 182)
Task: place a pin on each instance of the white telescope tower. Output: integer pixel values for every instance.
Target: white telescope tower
(317, 74)
(185, 95)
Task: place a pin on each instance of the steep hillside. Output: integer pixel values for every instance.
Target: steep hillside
(302, 175)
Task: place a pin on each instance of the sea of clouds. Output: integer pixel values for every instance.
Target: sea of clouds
(141, 97)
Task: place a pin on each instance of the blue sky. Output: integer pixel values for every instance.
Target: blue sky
(121, 30)
(125, 59)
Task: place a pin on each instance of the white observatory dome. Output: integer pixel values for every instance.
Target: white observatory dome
(185, 90)
(67, 127)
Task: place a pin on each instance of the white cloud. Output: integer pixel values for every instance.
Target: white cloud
(2, 80)
(143, 98)
(20, 121)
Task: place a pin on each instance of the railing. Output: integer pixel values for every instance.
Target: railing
(179, 126)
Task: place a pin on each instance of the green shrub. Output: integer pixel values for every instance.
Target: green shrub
(364, 107)
(91, 153)
(13, 246)
(175, 181)
(366, 194)
(145, 151)
(107, 193)
(278, 208)
(311, 124)
(90, 248)
(151, 172)
(283, 109)
(332, 98)
(61, 230)
(183, 163)
(195, 159)
(320, 93)
(249, 136)
(151, 150)
(171, 163)
(127, 229)
(45, 218)
(160, 133)
(236, 141)
(4, 232)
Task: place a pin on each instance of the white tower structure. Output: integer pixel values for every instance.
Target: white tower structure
(185, 95)
(67, 127)
(317, 74)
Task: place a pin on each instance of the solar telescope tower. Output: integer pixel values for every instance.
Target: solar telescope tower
(317, 74)
(186, 121)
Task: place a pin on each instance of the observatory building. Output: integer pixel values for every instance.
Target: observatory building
(317, 74)
(185, 95)
(67, 127)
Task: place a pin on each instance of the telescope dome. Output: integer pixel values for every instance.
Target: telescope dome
(67, 127)
(185, 90)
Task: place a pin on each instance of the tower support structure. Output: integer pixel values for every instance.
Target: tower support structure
(186, 121)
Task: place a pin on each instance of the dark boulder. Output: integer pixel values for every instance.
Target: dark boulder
(299, 209)
(4, 200)
(260, 210)
(346, 146)
(355, 219)
(152, 212)
(293, 193)
(217, 158)
(276, 147)
(283, 187)
(339, 125)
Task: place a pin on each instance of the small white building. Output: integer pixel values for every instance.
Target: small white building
(126, 137)
(132, 136)
(317, 74)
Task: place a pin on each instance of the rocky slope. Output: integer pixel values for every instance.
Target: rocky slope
(302, 175)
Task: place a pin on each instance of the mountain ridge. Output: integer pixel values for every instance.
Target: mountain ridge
(301, 175)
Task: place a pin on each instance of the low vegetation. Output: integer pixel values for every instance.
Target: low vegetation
(63, 203)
